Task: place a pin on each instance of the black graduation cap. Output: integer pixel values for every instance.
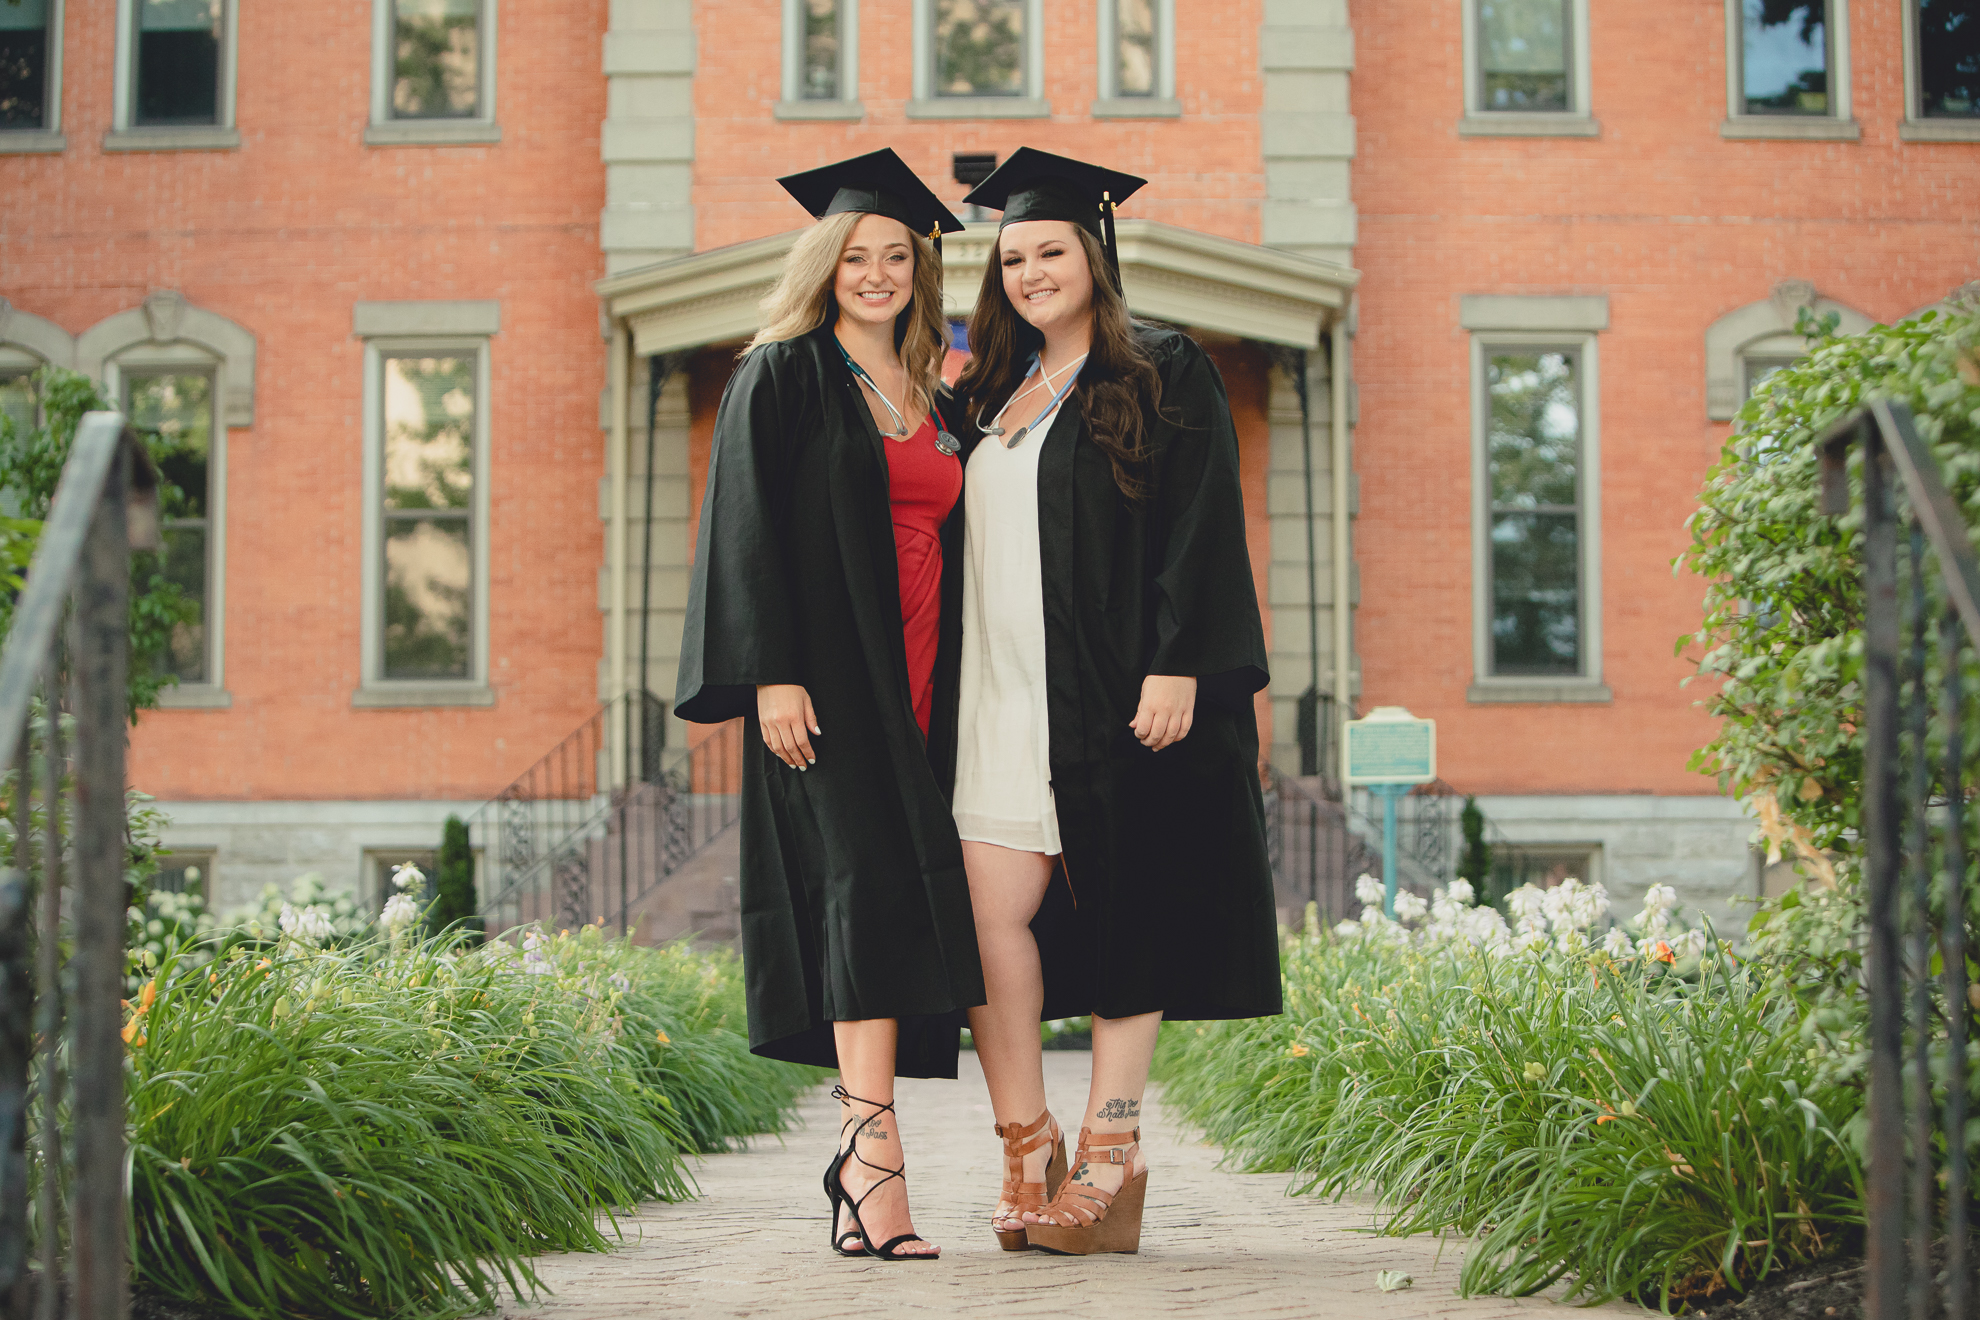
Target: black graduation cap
(878, 183)
(1036, 185)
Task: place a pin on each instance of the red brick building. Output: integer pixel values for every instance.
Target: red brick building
(437, 276)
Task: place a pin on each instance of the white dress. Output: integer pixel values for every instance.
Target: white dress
(1003, 750)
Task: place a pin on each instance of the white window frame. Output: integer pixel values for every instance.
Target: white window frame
(1587, 686)
(150, 359)
(124, 136)
(384, 131)
(434, 328)
(1578, 120)
(1838, 124)
(49, 137)
(1163, 104)
(1915, 127)
(792, 103)
(927, 105)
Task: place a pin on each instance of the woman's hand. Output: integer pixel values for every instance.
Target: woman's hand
(784, 710)
(1168, 704)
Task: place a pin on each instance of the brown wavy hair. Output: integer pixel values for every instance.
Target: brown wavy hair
(803, 300)
(1119, 385)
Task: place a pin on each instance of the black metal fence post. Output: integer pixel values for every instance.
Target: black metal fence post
(1913, 827)
(101, 663)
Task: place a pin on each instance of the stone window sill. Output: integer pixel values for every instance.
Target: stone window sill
(400, 696)
(1538, 692)
(26, 141)
(821, 110)
(432, 133)
(195, 696)
(1940, 130)
(1137, 107)
(1781, 128)
(980, 107)
(1512, 123)
(197, 137)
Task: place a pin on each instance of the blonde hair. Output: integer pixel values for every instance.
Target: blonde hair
(803, 300)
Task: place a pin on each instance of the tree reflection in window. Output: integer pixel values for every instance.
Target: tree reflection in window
(821, 50)
(1134, 33)
(1949, 58)
(428, 497)
(175, 410)
(1523, 55)
(979, 47)
(437, 54)
(1784, 57)
(23, 63)
(178, 62)
(1534, 455)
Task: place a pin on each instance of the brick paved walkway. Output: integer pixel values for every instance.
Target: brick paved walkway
(1214, 1242)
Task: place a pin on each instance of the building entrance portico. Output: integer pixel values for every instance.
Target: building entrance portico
(1263, 314)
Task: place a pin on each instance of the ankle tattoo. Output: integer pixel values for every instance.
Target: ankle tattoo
(1113, 1111)
(871, 1129)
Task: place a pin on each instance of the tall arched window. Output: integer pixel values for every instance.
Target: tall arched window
(183, 375)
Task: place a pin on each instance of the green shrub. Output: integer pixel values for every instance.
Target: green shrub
(453, 879)
(1634, 1132)
(1782, 634)
(367, 1130)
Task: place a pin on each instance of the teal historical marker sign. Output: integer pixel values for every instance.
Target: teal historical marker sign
(1389, 746)
(1388, 751)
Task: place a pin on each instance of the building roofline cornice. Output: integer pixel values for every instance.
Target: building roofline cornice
(1170, 273)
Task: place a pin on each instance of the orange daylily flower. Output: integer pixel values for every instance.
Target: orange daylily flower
(1662, 952)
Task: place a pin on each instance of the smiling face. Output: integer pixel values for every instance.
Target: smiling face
(876, 271)
(1046, 275)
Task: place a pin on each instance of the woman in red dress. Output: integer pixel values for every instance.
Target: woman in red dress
(815, 613)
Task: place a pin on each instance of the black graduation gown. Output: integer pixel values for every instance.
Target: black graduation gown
(854, 903)
(1164, 900)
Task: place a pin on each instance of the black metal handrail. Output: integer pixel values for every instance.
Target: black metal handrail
(571, 843)
(105, 504)
(1915, 842)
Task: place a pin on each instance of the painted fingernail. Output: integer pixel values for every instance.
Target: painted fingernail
(811, 760)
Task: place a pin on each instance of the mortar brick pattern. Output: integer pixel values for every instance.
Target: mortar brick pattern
(283, 236)
(1677, 226)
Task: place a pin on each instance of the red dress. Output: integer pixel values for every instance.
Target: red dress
(924, 484)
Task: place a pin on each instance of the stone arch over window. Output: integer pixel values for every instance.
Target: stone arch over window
(28, 340)
(1763, 330)
(170, 359)
(166, 326)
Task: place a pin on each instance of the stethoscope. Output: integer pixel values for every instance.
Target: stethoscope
(945, 443)
(1050, 408)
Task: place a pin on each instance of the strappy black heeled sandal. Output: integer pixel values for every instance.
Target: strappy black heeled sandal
(890, 1249)
(835, 1196)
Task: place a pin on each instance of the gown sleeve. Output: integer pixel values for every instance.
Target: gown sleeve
(740, 629)
(1207, 624)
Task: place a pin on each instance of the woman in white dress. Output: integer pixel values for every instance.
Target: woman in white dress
(1111, 644)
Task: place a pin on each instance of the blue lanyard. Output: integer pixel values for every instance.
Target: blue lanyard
(1031, 370)
(945, 443)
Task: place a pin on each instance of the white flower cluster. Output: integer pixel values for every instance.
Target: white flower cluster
(401, 911)
(1654, 923)
(1558, 919)
(1451, 915)
(534, 961)
(408, 876)
(311, 924)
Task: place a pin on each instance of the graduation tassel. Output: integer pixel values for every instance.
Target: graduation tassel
(1107, 227)
(935, 236)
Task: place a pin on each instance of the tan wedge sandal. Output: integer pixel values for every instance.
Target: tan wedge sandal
(1019, 1194)
(1083, 1220)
